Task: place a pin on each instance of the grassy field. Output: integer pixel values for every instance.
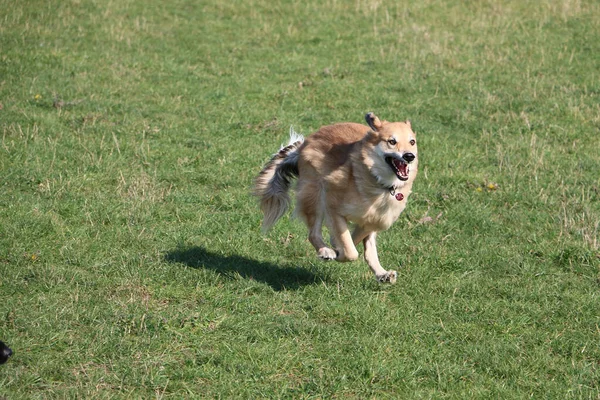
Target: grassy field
(131, 259)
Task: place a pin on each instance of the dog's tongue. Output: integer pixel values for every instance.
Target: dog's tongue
(401, 167)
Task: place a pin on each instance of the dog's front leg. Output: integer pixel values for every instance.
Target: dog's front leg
(373, 260)
(342, 239)
(359, 234)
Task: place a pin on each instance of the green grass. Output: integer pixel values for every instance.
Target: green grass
(131, 260)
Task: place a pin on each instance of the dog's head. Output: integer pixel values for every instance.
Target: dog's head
(5, 352)
(394, 151)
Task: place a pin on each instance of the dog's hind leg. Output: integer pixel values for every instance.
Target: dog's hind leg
(373, 260)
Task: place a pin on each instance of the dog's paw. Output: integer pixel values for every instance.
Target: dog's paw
(326, 254)
(388, 277)
(347, 257)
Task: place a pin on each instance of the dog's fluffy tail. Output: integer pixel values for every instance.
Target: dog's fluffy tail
(273, 183)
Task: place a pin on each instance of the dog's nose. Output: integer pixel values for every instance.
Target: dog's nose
(408, 157)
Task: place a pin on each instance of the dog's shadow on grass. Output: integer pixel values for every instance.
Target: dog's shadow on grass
(279, 278)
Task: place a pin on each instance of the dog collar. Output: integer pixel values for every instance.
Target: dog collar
(399, 196)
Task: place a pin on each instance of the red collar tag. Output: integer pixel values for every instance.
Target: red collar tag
(399, 196)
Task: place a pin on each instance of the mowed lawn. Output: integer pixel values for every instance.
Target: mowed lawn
(131, 259)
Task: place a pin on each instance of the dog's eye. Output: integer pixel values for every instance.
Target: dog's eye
(392, 141)
(412, 142)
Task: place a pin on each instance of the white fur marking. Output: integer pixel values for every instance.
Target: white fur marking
(294, 137)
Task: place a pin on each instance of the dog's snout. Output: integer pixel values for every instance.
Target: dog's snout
(408, 157)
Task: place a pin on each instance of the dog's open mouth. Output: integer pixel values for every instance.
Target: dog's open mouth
(400, 167)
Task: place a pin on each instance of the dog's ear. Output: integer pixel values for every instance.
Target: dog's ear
(407, 122)
(373, 121)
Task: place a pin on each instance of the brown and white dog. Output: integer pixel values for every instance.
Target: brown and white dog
(347, 173)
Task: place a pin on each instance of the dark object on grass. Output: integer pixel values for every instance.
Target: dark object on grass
(5, 352)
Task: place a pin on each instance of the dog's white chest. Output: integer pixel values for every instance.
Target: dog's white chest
(380, 213)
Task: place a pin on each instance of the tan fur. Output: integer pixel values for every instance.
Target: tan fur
(343, 178)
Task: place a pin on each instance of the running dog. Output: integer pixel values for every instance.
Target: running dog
(347, 173)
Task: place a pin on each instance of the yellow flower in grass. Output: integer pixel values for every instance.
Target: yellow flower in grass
(37, 96)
